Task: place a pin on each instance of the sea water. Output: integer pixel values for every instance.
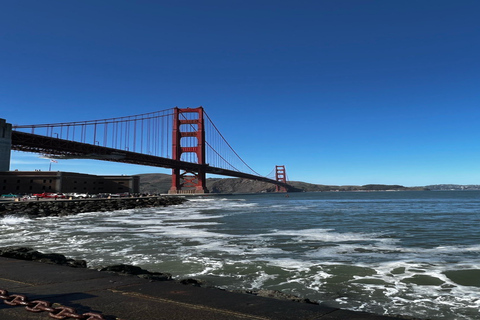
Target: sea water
(393, 253)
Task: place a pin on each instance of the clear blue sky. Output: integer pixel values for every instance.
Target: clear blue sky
(338, 91)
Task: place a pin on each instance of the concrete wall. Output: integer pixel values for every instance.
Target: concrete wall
(5, 144)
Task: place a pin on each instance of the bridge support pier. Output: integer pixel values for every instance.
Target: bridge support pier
(188, 124)
(5, 145)
(280, 175)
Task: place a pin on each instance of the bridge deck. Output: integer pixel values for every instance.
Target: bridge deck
(133, 298)
(28, 142)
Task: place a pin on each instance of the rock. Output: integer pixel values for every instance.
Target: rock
(125, 268)
(22, 253)
(137, 271)
(53, 258)
(25, 253)
(76, 263)
(192, 282)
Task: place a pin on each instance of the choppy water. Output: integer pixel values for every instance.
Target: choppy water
(409, 253)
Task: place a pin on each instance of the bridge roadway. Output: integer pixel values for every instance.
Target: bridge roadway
(125, 297)
(67, 149)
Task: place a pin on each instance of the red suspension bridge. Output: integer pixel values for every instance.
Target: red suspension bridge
(184, 140)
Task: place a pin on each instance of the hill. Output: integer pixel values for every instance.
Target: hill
(155, 183)
(160, 183)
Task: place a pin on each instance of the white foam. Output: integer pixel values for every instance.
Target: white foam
(456, 249)
(292, 264)
(261, 278)
(203, 200)
(14, 220)
(327, 235)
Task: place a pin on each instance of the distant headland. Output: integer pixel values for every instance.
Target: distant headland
(160, 183)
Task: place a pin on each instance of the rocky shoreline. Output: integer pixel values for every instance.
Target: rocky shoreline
(29, 254)
(25, 253)
(44, 208)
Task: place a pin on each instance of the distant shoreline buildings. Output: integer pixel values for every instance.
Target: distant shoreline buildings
(27, 182)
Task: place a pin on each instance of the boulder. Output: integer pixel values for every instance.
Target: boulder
(137, 271)
(25, 253)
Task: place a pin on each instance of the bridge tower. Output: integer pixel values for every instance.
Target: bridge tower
(5, 145)
(280, 175)
(188, 123)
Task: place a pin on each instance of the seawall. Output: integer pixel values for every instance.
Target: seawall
(44, 208)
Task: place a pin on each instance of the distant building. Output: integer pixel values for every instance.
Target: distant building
(26, 182)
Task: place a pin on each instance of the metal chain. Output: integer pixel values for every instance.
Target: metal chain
(59, 312)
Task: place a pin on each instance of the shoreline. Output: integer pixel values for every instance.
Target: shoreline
(29, 254)
(27, 286)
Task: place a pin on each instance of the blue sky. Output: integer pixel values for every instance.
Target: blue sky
(338, 91)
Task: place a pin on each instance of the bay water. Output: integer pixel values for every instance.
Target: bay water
(396, 253)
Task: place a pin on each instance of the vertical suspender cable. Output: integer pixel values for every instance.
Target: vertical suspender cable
(141, 135)
(127, 135)
(155, 119)
(115, 130)
(105, 134)
(148, 136)
(135, 135)
(120, 134)
(95, 133)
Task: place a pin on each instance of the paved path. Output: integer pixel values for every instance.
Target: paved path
(132, 298)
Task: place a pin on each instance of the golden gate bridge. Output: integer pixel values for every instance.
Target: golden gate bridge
(183, 139)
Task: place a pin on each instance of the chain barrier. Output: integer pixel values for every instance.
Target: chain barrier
(59, 312)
